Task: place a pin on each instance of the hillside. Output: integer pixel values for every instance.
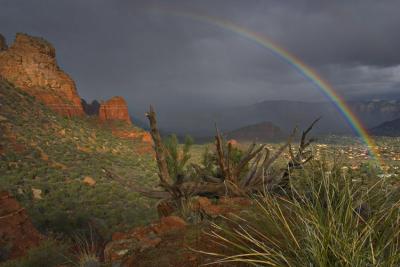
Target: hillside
(46, 157)
(261, 132)
(390, 128)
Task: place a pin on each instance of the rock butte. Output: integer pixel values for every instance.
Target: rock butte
(114, 109)
(30, 63)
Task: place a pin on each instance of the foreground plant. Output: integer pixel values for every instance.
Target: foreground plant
(334, 223)
(232, 173)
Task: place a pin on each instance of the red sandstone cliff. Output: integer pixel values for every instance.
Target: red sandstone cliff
(30, 63)
(16, 230)
(114, 109)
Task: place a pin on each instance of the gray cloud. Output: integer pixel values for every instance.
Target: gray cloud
(122, 48)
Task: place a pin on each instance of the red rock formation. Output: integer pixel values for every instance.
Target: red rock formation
(114, 109)
(142, 238)
(16, 231)
(145, 137)
(30, 63)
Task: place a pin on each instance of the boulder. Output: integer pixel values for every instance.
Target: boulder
(141, 238)
(37, 193)
(17, 233)
(233, 142)
(30, 64)
(89, 181)
(224, 206)
(146, 138)
(168, 224)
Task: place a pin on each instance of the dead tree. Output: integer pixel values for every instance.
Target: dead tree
(251, 174)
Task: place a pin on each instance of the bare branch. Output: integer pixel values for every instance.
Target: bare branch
(165, 178)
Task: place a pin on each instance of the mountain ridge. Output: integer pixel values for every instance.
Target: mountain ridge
(285, 113)
(260, 132)
(389, 128)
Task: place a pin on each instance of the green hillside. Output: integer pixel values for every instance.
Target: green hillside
(43, 151)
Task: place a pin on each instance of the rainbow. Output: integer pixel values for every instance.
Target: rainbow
(303, 69)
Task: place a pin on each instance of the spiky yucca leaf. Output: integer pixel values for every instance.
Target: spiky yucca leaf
(333, 223)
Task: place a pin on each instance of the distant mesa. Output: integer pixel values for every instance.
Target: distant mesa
(389, 128)
(30, 63)
(114, 109)
(261, 132)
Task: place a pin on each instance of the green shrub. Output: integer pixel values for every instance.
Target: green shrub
(177, 158)
(49, 254)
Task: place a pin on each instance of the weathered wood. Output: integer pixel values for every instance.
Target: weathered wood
(165, 178)
(247, 158)
(221, 157)
(231, 182)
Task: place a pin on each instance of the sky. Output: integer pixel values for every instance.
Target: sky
(131, 48)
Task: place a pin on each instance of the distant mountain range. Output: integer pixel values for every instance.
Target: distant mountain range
(284, 114)
(390, 128)
(261, 132)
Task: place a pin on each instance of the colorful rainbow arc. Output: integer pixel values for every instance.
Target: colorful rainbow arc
(305, 70)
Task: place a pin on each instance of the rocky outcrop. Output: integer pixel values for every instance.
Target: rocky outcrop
(389, 128)
(174, 240)
(141, 238)
(114, 109)
(17, 234)
(30, 63)
(134, 135)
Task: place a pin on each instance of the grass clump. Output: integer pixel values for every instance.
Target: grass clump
(335, 222)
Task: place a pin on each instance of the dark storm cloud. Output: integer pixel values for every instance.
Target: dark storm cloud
(121, 47)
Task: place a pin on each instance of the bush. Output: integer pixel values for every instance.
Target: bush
(176, 158)
(48, 254)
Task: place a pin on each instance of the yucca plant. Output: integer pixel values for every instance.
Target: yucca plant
(88, 250)
(177, 158)
(334, 223)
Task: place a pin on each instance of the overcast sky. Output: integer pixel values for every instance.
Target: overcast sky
(124, 47)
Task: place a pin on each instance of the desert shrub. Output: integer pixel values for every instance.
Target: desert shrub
(49, 254)
(177, 158)
(88, 250)
(335, 222)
